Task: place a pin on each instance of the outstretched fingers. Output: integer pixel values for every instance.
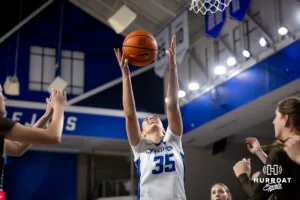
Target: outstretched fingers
(122, 60)
(173, 45)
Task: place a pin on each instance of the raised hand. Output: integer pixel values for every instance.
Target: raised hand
(241, 167)
(49, 109)
(253, 145)
(58, 98)
(122, 62)
(171, 52)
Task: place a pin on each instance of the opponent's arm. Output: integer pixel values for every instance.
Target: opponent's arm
(132, 124)
(51, 135)
(14, 148)
(173, 110)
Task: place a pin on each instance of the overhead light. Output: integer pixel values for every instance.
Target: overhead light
(263, 42)
(220, 70)
(282, 31)
(166, 100)
(58, 83)
(181, 93)
(231, 61)
(246, 54)
(12, 86)
(194, 86)
(122, 19)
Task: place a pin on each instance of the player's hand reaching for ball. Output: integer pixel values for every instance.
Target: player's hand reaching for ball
(171, 52)
(58, 99)
(122, 62)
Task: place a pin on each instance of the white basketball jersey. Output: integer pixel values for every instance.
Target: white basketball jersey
(161, 168)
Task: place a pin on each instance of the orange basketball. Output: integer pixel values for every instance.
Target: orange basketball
(140, 48)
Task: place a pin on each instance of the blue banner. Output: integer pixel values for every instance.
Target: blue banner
(214, 23)
(239, 8)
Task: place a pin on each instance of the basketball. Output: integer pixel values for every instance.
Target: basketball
(140, 48)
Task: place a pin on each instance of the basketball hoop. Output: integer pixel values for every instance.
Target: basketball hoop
(212, 6)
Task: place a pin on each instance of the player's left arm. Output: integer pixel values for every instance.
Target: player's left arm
(173, 110)
(14, 148)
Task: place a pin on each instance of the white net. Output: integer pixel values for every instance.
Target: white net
(212, 6)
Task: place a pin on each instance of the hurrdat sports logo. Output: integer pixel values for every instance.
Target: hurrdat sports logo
(273, 181)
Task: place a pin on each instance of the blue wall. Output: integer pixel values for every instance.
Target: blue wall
(81, 32)
(41, 176)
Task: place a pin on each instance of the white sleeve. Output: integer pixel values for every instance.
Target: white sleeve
(139, 148)
(173, 139)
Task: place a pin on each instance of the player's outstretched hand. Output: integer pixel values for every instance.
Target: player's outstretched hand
(58, 99)
(171, 52)
(122, 62)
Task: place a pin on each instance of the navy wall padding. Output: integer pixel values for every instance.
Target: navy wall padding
(41, 175)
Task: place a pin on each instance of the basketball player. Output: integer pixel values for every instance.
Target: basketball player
(10, 130)
(292, 148)
(286, 126)
(158, 154)
(219, 191)
(14, 148)
(15, 138)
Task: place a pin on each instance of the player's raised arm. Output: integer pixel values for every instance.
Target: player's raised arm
(14, 148)
(173, 110)
(132, 124)
(33, 135)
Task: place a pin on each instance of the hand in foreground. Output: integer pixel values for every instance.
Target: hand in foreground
(242, 167)
(49, 109)
(58, 98)
(253, 145)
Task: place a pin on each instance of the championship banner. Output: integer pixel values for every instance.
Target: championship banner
(214, 22)
(161, 61)
(239, 8)
(180, 28)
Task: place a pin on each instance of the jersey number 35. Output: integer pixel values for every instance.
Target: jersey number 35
(164, 164)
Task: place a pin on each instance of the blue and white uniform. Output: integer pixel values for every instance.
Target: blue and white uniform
(161, 168)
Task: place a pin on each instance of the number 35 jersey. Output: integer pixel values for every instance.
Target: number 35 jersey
(161, 168)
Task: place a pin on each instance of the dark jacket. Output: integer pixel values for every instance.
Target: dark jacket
(279, 177)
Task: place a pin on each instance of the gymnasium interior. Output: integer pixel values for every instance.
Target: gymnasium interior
(234, 66)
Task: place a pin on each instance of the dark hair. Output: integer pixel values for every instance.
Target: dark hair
(226, 189)
(290, 107)
(276, 144)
